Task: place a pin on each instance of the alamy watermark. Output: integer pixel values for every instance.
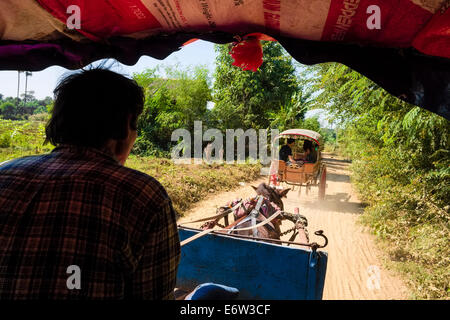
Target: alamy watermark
(374, 20)
(74, 20)
(257, 148)
(74, 280)
(374, 277)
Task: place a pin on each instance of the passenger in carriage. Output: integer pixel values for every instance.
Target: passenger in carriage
(310, 154)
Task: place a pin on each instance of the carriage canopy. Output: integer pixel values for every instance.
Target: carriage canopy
(402, 45)
(302, 134)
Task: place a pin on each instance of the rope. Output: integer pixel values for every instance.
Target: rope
(285, 215)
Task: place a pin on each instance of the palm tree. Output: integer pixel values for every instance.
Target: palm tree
(293, 113)
(18, 87)
(27, 74)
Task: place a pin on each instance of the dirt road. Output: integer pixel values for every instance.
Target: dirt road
(355, 269)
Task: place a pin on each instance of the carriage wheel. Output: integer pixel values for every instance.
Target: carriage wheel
(323, 183)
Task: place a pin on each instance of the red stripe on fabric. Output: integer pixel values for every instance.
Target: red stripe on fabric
(434, 39)
(401, 20)
(102, 19)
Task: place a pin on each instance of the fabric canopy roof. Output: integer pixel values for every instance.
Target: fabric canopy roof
(402, 45)
(294, 133)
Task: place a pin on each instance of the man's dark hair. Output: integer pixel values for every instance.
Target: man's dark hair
(290, 140)
(93, 106)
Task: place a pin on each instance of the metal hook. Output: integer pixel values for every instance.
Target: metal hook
(315, 245)
(320, 234)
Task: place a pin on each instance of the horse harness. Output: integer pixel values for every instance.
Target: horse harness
(239, 209)
(254, 213)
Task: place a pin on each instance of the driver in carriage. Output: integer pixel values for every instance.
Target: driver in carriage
(285, 153)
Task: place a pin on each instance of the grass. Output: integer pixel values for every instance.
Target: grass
(21, 138)
(185, 184)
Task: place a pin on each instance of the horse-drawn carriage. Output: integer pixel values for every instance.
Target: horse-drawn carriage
(301, 173)
(249, 253)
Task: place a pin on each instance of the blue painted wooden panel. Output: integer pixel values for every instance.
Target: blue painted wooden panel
(259, 270)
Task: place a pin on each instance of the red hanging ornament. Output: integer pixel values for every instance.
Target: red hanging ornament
(247, 53)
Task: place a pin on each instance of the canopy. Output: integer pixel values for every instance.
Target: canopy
(302, 133)
(402, 45)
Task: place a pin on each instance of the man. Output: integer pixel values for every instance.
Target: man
(76, 223)
(309, 155)
(285, 153)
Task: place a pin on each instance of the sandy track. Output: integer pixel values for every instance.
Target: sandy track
(355, 269)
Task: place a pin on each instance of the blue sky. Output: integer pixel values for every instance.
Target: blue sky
(43, 82)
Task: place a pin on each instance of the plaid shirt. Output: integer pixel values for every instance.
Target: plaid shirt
(79, 206)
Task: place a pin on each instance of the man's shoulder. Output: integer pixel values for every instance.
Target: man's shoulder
(23, 163)
(139, 185)
(138, 178)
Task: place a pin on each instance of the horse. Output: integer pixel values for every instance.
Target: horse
(271, 193)
(270, 203)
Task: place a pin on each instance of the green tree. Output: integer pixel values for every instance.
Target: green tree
(8, 110)
(292, 114)
(175, 98)
(380, 119)
(25, 107)
(243, 99)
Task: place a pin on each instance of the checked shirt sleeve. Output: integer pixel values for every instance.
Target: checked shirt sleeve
(155, 276)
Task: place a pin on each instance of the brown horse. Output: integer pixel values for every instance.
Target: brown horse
(273, 194)
(271, 202)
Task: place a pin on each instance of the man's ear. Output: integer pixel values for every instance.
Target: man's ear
(284, 192)
(122, 127)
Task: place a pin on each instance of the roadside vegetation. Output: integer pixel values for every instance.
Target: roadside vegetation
(401, 169)
(185, 184)
(22, 138)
